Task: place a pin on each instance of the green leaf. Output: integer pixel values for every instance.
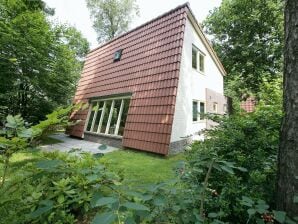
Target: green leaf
(146, 197)
(251, 212)
(262, 208)
(129, 220)
(60, 199)
(44, 207)
(102, 147)
(135, 206)
(49, 164)
(96, 196)
(98, 155)
(295, 199)
(104, 218)
(25, 133)
(247, 201)
(13, 60)
(241, 169)
(212, 215)
(11, 122)
(105, 201)
(260, 221)
(159, 201)
(291, 221)
(92, 177)
(227, 169)
(279, 216)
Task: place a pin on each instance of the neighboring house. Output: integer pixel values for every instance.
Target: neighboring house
(249, 104)
(148, 86)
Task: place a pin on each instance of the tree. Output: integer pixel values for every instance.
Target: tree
(111, 17)
(248, 37)
(287, 186)
(40, 62)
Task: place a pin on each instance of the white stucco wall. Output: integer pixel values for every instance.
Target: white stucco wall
(192, 86)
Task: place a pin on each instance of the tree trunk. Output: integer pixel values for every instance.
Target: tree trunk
(287, 185)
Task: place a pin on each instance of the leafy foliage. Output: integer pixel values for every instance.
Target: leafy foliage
(15, 136)
(226, 179)
(248, 37)
(57, 189)
(40, 62)
(250, 140)
(111, 17)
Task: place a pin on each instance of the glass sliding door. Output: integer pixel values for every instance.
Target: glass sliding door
(108, 116)
(105, 117)
(123, 117)
(97, 116)
(91, 116)
(114, 118)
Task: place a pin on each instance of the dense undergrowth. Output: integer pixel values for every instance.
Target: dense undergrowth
(228, 178)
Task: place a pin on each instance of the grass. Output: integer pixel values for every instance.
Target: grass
(141, 168)
(135, 167)
(20, 159)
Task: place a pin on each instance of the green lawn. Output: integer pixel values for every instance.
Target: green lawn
(20, 159)
(140, 167)
(136, 167)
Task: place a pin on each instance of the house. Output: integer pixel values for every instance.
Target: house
(149, 87)
(249, 104)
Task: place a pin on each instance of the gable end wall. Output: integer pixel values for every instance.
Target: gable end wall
(193, 85)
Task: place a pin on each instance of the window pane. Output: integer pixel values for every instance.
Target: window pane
(114, 119)
(96, 123)
(202, 110)
(106, 116)
(215, 107)
(225, 108)
(94, 108)
(123, 117)
(202, 58)
(194, 111)
(194, 57)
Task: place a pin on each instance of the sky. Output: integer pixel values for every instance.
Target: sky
(75, 13)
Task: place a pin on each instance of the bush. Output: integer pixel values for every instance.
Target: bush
(249, 140)
(56, 189)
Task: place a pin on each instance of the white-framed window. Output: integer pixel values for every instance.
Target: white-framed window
(198, 59)
(225, 108)
(198, 110)
(107, 116)
(215, 107)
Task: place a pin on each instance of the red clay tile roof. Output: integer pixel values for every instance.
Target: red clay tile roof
(249, 104)
(149, 70)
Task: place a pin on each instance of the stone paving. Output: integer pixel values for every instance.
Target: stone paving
(77, 145)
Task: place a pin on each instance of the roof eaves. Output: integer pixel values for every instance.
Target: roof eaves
(205, 41)
(144, 24)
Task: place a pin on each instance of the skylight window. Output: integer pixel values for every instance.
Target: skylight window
(117, 55)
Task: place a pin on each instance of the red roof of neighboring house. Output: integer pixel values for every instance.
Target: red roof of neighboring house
(149, 70)
(249, 104)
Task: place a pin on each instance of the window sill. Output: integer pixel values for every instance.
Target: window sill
(199, 122)
(198, 71)
(104, 135)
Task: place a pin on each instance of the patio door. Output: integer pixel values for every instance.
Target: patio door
(108, 116)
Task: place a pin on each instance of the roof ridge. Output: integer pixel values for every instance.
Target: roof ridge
(186, 4)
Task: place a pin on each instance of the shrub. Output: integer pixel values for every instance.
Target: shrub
(56, 189)
(249, 140)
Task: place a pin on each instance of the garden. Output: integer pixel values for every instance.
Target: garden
(245, 170)
(228, 178)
